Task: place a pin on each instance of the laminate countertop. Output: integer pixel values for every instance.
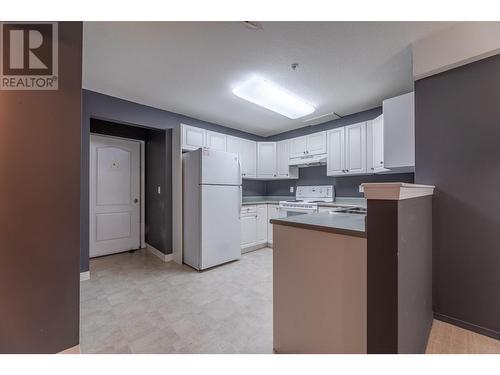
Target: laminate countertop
(340, 223)
(340, 201)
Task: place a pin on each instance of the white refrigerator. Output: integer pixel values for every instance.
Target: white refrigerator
(211, 208)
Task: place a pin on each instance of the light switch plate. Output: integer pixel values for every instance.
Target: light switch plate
(159, 189)
(291, 189)
(361, 190)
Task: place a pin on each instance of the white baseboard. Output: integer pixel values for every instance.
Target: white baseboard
(159, 254)
(84, 275)
(254, 247)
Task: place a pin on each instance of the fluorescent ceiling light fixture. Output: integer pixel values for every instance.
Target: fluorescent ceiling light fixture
(273, 97)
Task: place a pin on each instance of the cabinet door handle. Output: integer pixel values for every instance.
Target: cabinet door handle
(382, 162)
(373, 168)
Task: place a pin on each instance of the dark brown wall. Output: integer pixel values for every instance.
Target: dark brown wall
(399, 275)
(39, 209)
(382, 276)
(457, 129)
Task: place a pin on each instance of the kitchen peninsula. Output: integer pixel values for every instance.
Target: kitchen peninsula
(336, 276)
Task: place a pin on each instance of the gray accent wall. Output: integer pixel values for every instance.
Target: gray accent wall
(457, 130)
(344, 121)
(40, 209)
(345, 186)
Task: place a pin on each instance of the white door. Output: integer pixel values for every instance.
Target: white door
(216, 141)
(193, 138)
(335, 163)
(283, 158)
(266, 159)
(115, 193)
(262, 223)
(298, 147)
(248, 229)
(355, 136)
(316, 143)
(378, 143)
(248, 158)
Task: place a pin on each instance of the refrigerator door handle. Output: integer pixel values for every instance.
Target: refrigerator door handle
(241, 201)
(239, 170)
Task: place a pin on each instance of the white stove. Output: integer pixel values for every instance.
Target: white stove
(306, 200)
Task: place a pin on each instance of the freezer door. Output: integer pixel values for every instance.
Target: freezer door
(220, 224)
(219, 168)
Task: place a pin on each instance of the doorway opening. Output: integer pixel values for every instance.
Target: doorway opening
(129, 189)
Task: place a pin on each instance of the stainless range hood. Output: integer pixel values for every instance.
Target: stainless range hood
(308, 161)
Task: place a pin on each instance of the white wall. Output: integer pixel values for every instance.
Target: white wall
(457, 45)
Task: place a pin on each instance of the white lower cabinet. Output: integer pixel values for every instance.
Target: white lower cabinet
(272, 213)
(262, 224)
(254, 227)
(248, 218)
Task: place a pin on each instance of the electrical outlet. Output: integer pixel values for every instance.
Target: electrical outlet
(291, 189)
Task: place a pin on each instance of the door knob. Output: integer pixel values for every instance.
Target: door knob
(136, 200)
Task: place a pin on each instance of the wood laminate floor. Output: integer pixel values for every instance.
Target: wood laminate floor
(135, 303)
(449, 339)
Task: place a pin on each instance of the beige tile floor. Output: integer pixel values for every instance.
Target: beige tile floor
(135, 303)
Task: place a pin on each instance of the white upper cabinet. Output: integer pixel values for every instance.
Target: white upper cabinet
(233, 145)
(283, 170)
(399, 133)
(266, 159)
(375, 146)
(312, 144)
(346, 150)
(193, 138)
(298, 147)
(216, 141)
(248, 157)
(335, 162)
(355, 146)
(316, 143)
(247, 152)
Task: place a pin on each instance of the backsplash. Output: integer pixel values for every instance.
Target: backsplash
(345, 186)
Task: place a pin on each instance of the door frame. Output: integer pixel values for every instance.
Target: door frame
(142, 145)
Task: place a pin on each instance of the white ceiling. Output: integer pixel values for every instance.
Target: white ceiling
(191, 67)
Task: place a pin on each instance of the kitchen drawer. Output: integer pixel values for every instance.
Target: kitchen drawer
(248, 209)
